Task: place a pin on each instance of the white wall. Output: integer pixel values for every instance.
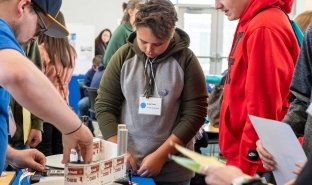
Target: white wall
(107, 13)
(302, 5)
(308, 4)
(100, 13)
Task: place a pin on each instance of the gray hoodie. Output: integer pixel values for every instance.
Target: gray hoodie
(301, 87)
(179, 81)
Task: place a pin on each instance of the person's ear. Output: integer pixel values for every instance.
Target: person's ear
(131, 11)
(21, 5)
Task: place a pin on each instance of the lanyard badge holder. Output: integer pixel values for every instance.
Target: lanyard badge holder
(151, 105)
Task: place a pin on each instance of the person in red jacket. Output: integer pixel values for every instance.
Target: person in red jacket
(260, 68)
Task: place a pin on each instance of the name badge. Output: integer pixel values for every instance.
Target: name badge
(151, 106)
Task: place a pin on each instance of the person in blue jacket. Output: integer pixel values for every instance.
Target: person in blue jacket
(20, 21)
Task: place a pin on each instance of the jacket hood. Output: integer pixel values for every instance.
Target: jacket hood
(179, 41)
(255, 6)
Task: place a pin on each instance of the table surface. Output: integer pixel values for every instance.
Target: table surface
(136, 179)
(7, 177)
(209, 128)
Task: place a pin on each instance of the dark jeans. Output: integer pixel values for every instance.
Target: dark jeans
(51, 140)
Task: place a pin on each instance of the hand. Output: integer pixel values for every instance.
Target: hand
(34, 138)
(266, 157)
(220, 175)
(131, 164)
(300, 165)
(82, 141)
(291, 182)
(28, 158)
(151, 165)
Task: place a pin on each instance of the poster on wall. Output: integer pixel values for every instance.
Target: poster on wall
(81, 37)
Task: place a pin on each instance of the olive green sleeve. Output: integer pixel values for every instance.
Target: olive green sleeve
(193, 109)
(108, 105)
(36, 123)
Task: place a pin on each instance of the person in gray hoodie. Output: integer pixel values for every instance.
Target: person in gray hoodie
(155, 85)
(301, 87)
(297, 117)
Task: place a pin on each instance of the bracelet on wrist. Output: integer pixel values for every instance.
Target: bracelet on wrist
(74, 130)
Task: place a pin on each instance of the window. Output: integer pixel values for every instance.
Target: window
(211, 35)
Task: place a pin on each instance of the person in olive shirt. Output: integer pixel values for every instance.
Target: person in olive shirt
(35, 135)
(122, 32)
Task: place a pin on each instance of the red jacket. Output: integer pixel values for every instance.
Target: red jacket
(261, 64)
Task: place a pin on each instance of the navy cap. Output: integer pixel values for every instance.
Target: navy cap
(50, 9)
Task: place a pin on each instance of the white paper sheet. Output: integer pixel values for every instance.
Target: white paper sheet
(279, 139)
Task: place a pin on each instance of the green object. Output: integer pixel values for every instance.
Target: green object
(187, 163)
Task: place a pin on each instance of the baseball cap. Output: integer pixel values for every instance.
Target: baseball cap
(49, 10)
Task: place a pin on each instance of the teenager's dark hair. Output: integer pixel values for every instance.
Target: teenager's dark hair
(159, 15)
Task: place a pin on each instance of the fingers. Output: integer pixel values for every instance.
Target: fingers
(131, 163)
(266, 158)
(34, 138)
(297, 171)
(268, 163)
(66, 155)
(81, 139)
(262, 150)
(143, 172)
(86, 152)
(291, 182)
(39, 160)
(33, 143)
(85, 143)
(210, 178)
(204, 170)
(300, 165)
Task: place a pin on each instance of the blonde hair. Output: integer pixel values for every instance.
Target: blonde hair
(304, 19)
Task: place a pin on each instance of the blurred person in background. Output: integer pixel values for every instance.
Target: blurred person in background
(21, 78)
(18, 112)
(84, 103)
(122, 32)
(58, 62)
(304, 19)
(101, 41)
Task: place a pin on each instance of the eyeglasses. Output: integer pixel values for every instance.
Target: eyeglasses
(43, 27)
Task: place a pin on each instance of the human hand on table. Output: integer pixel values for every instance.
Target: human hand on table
(131, 164)
(82, 141)
(28, 158)
(151, 165)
